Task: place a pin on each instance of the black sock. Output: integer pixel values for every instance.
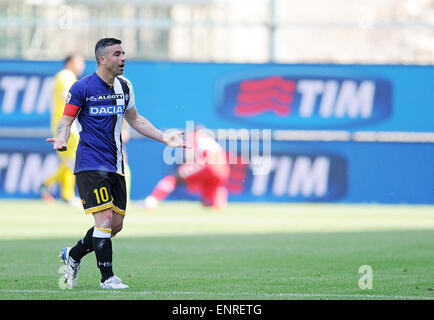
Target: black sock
(104, 254)
(83, 246)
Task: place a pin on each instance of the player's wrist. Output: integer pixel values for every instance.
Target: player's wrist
(165, 138)
(60, 141)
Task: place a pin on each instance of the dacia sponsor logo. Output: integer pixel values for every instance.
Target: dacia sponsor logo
(283, 101)
(106, 110)
(110, 96)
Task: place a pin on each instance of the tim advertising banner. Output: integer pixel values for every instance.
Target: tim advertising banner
(297, 172)
(335, 98)
(24, 165)
(26, 93)
(312, 97)
(274, 96)
(347, 172)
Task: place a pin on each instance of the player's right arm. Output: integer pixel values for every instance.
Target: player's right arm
(63, 132)
(74, 102)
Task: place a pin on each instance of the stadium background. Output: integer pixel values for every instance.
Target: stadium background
(368, 63)
(345, 88)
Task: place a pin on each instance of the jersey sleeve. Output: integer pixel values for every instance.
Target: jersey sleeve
(132, 100)
(74, 100)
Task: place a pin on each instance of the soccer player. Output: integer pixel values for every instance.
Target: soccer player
(63, 80)
(99, 103)
(206, 175)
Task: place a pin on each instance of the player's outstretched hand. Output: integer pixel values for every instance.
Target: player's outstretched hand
(174, 140)
(58, 145)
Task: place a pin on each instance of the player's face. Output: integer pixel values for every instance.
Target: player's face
(115, 59)
(78, 65)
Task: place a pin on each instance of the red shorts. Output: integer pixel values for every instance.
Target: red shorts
(207, 180)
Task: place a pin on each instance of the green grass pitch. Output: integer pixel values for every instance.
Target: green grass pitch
(247, 252)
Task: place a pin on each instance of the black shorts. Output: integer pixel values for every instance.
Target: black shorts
(100, 190)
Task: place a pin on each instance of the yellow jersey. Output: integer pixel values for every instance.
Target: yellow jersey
(63, 81)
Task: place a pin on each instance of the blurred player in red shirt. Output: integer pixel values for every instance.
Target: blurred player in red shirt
(207, 174)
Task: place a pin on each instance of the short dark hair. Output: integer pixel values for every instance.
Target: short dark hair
(102, 44)
(69, 58)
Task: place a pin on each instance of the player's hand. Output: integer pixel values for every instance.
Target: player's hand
(174, 140)
(58, 144)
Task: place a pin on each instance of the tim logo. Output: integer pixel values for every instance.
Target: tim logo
(305, 101)
(301, 177)
(106, 110)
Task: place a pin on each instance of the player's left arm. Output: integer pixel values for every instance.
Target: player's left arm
(146, 128)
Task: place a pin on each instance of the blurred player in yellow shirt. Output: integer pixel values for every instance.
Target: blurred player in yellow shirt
(64, 79)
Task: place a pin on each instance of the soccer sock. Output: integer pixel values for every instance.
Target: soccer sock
(164, 187)
(83, 246)
(102, 245)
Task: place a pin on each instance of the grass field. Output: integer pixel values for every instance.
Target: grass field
(248, 251)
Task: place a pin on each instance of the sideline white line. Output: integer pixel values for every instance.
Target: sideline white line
(276, 295)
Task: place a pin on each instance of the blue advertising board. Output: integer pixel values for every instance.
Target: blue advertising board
(25, 163)
(26, 92)
(353, 98)
(341, 172)
(275, 96)
(344, 172)
(350, 97)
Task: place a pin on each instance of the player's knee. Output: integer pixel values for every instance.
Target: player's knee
(104, 219)
(116, 229)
